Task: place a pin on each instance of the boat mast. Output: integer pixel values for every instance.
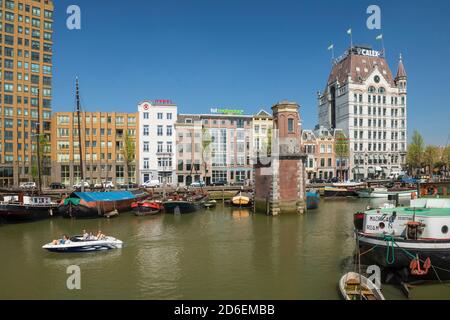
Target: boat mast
(79, 135)
(38, 139)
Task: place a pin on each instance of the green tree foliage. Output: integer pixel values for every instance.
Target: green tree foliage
(129, 152)
(415, 155)
(341, 148)
(431, 157)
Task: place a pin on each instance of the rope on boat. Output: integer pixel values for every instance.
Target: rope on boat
(390, 249)
(391, 243)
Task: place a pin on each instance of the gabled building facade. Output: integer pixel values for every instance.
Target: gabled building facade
(369, 104)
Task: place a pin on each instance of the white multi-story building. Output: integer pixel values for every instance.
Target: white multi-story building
(157, 141)
(364, 100)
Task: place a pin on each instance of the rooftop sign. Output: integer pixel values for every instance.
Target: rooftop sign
(361, 51)
(227, 111)
(162, 102)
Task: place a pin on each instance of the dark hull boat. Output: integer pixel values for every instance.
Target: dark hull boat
(85, 205)
(397, 256)
(411, 242)
(28, 208)
(24, 213)
(183, 206)
(331, 192)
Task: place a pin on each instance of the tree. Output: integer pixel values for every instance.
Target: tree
(206, 142)
(446, 158)
(44, 147)
(129, 153)
(431, 158)
(414, 157)
(341, 149)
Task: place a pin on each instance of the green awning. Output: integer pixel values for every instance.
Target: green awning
(74, 201)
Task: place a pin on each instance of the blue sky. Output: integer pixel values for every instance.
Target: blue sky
(244, 54)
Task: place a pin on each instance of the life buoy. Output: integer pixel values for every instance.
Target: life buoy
(416, 270)
(432, 191)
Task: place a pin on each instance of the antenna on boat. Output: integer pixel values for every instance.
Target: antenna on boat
(38, 146)
(79, 134)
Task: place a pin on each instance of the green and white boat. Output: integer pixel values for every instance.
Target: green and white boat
(415, 239)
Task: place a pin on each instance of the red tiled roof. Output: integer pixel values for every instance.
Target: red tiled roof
(359, 68)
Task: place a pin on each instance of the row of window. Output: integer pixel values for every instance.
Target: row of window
(380, 147)
(34, 67)
(159, 116)
(381, 123)
(160, 147)
(65, 119)
(381, 111)
(36, 11)
(378, 99)
(159, 131)
(381, 135)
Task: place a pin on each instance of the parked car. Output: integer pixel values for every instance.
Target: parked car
(57, 186)
(104, 184)
(28, 185)
(151, 184)
(317, 180)
(78, 185)
(198, 184)
(220, 183)
(129, 186)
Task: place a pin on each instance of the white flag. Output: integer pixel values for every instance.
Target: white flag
(349, 31)
(380, 37)
(331, 47)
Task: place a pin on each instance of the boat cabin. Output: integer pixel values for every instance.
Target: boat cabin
(409, 222)
(28, 200)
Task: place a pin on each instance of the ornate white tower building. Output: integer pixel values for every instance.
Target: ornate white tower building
(364, 100)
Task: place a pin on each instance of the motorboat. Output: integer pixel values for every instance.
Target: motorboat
(348, 184)
(354, 286)
(80, 244)
(385, 192)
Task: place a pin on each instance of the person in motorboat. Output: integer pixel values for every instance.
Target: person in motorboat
(85, 235)
(65, 240)
(100, 235)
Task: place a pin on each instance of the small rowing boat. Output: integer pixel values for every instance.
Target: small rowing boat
(354, 286)
(210, 204)
(147, 208)
(241, 200)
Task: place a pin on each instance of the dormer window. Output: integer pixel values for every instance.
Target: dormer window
(382, 90)
(372, 89)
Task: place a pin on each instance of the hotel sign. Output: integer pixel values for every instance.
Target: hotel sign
(368, 53)
(361, 52)
(227, 111)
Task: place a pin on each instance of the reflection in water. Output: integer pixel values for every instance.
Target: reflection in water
(224, 253)
(240, 213)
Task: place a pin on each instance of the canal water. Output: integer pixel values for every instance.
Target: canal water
(222, 253)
